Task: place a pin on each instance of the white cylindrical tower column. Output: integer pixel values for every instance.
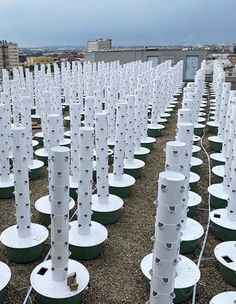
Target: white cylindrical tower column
(120, 183)
(85, 235)
(60, 279)
(106, 207)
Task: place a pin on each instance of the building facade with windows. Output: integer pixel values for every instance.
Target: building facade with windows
(192, 58)
(9, 57)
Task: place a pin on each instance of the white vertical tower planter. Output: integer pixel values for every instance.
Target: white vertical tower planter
(132, 166)
(110, 107)
(89, 112)
(5, 280)
(146, 141)
(119, 182)
(224, 219)
(50, 279)
(139, 151)
(34, 165)
(23, 241)
(216, 142)
(192, 231)
(6, 178)
(106, 207)
(219, 192)
(43, 204)
(171, 275)
(86, 237)
(75, 124)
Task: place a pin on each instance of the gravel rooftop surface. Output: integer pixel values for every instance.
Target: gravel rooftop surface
(116, 277)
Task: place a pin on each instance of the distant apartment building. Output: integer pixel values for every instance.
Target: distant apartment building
(9, 57)
(99, 45)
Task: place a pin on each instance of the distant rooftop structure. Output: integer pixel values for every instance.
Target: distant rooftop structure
(99, 45)
(9, 57)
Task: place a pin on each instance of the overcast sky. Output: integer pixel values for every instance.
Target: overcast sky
(127, 22)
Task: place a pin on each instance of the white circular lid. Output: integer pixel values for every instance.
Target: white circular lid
(226, 254)
(133, 164)
(8, 183)
(98, 234)
(212, 123)
(35, 164)
(111, 203)
(156, 126)
(41, 152)
(67, 118)
(125, 181)
(192, 230)
(10, 238)
(195, 161)
(65, 141)
(46, 286)
(219, 170)
(217, 190)
(218, 157)
(38, 134)
(43, 204)
(67, 133)
(187, 270)
(148, 140)
(141, 151)
(220, 217)
(194, 177)
(216, 139)
(34, 142)
(5, 275)
(199, 126)
(228, 297)
(196, 149)
(196, 138)
(194, 199)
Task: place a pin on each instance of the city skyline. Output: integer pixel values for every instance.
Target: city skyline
(140, 22)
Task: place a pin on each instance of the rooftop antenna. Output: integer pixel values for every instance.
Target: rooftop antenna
(60, 279)
(86, 237)
(106, 207)
(23, 241)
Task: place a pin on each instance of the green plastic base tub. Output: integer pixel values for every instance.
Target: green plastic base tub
(72, 300)
(136, 173)
(6, 192)
(216, 163)
(196, 169)
(213, 130)
(39, 139)
(35, 173)
(193, 186)
(3, 294)
(188, 246)
(228, 275)
(85, 253)
(142, 157)
(223, 233)
(217, 179)
(73, 193)
(155, 132)
(192, 211)
(121, 191)
(106, 218)
(215, 146)
(182, 295)
(218, 203)
(44, 159)
(199, 131)
(147, 145)
(25, 255)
